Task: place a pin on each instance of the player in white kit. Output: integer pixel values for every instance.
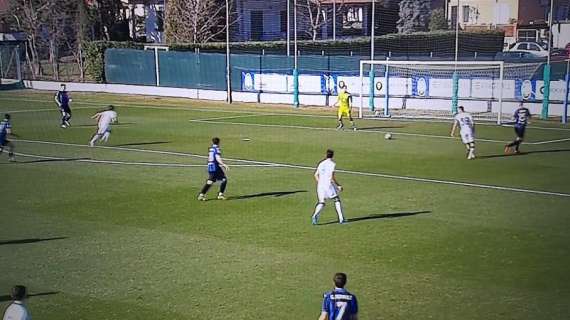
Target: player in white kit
(104, 120)
(466, 129)
(327, 187)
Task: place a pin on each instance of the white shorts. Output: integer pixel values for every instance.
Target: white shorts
(467, 137)
(103, 129)
(329, 192)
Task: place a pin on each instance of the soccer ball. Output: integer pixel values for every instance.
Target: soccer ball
(388, 136)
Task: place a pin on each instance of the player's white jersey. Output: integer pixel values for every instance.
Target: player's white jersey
(326, 189)
(106, 118)
(465, 121)
(325, 171)
(16, 311)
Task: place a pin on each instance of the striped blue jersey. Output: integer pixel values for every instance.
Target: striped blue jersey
(62, 98)
(4, 126)
(213, 164)
(340, 304)
(522, 115)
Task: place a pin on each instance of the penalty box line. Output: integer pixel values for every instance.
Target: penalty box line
(333, 129)
(359, 173)
(362, 130)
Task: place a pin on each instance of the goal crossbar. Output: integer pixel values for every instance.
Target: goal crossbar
(451, 65)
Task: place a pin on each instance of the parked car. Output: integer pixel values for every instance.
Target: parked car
(530, 47)
(515, 56)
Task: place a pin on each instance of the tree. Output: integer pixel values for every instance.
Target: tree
(437, 20)
(53, 28)
(414, 16)
(195, 21)
(108, 17)
(26, 16)
(318, 13)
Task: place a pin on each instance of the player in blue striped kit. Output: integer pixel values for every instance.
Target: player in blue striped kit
(5, 131)
(339, 304)
(216, 171)
(522, 116)
(62, 99)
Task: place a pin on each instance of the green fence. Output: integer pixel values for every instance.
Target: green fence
(208, 70)
(184, 69)
(130, 67)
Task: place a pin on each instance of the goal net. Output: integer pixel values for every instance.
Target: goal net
(434, 89)
(10, 69)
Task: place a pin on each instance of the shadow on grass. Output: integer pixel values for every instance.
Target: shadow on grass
(502, 155)
(274, 194)
(380, 216)
(31, 240)
(6, 298)
(142, 143)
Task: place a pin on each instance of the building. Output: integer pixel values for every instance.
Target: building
(4, 6)
(146, 19)
(522, 20)
(261, 20)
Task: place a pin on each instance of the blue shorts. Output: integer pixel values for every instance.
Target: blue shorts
(519, 130)
(65, 109)
(216, 175)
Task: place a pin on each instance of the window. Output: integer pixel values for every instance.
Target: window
(160, 21)
(533, 47)
(256, 25)
(284, 21)
(352, 18)
(466, 13)
(454, 16)
(527, 35)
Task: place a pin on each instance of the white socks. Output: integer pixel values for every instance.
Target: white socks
(318, 210)
(338, 208)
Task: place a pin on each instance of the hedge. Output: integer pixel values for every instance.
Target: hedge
(95, 57)
(436, 42)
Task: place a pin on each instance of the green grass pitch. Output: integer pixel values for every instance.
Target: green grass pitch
(117, 232)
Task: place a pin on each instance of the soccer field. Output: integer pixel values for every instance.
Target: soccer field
(116, 232)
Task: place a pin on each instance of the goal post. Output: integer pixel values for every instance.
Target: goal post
(10, 65)
(434, 89)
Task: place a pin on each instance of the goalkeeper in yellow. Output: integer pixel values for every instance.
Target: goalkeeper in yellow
(344, 104)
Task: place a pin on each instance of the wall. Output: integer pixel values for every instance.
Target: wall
(271, 18)
(276, 98)
(490, 12)
(561, 34)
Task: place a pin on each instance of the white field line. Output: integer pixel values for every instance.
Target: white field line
(129, 163)
(54, 109)
(333, 129)
(360, 173)
(550, 141)
(175, 107)
(258, 113)
(233, 117)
